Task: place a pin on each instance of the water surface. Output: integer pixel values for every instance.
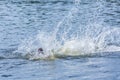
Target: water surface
(22, 22)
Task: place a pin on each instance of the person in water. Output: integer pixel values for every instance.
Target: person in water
(40, 50)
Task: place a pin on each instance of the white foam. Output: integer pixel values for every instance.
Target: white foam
(77, 47)
(72, 39)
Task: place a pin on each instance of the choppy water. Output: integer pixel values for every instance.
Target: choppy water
(81, 35)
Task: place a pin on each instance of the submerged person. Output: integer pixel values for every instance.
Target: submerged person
(40, 51)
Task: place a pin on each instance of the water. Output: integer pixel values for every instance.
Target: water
(80, 39)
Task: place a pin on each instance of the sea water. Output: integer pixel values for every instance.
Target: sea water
(80, 39)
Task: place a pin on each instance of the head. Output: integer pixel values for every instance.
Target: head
(40, 49)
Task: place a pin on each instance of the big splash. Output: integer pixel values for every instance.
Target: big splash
(82, 32)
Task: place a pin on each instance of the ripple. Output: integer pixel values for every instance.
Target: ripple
(6, 75)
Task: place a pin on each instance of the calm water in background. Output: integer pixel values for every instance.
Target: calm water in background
(21, 19)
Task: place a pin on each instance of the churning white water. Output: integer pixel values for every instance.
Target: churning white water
(74, 37)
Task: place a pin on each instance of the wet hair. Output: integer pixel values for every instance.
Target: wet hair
(40, 49)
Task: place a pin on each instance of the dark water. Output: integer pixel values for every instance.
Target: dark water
(21, 19)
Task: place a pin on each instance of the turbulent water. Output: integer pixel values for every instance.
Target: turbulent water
(80, 39)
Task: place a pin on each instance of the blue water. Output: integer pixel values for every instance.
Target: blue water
(23, 22)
